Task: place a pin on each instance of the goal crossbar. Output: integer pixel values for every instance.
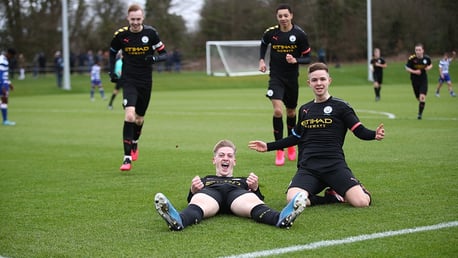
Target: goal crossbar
(232, 58)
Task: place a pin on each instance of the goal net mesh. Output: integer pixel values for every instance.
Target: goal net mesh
(233, 58)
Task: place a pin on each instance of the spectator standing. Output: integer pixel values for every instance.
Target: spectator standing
(21, 63)
(59, 68)
(42, 63)
(176, 57)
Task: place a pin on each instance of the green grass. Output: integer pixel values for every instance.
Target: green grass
(63, 196)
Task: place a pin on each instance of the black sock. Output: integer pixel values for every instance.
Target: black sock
(278, 127)
(111, 99)
(377, 92)
(316, 200)
(192, 214)
(263, 214)
(137, 131)
(128, 132)
(290, 122)
(421, 107)
(320, 200)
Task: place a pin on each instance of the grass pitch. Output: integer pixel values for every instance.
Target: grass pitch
(62, 194)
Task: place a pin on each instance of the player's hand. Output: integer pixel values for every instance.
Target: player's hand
(252, 181)
(150, 59)
(258, 146)
(262, 66)
(380, 132)
(113, 77)
(11, 87)
(290, 59)
(196, 184)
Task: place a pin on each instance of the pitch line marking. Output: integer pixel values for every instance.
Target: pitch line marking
(389, 115)
(352, 239)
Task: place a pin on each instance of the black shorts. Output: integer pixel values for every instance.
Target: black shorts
(118, 84)
(136, 94)
(420, 86)
(224, 194)
(324, 173)
(285, 89)
(377, 77)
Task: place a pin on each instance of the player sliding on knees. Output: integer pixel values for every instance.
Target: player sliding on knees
(320, 135)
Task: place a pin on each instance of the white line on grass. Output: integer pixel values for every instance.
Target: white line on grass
(389, 115)
(347, 240)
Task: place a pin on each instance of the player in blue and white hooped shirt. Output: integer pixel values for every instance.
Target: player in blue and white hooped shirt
(5, 85)
(444, 75)
(96, 80)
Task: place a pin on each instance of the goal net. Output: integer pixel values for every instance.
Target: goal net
(233, 58)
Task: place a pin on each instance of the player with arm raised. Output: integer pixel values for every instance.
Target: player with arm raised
(320, 135)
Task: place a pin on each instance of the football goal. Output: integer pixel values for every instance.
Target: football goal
(233, 58)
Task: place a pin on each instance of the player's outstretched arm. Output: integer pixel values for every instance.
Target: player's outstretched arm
(259, 146)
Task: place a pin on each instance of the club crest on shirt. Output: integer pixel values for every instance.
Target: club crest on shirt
(424, 61)
(145, 39)
(327, 110)
(292, 38)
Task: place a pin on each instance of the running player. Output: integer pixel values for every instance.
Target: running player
(225, 193)
(320, 134)
(118, 72)
(417, 65)
(138, 43)
(377, 66)
(289, 47)
(444, 75)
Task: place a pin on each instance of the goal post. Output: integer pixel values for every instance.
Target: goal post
(233, 58)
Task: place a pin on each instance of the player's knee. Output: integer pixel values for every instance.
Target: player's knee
(290, 112)
(358, 197)
(361, 203)
(139, 120)
(278, 112)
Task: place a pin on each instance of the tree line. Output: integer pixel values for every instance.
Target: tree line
(337, 26)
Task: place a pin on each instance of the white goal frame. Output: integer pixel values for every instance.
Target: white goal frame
(224, 61)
